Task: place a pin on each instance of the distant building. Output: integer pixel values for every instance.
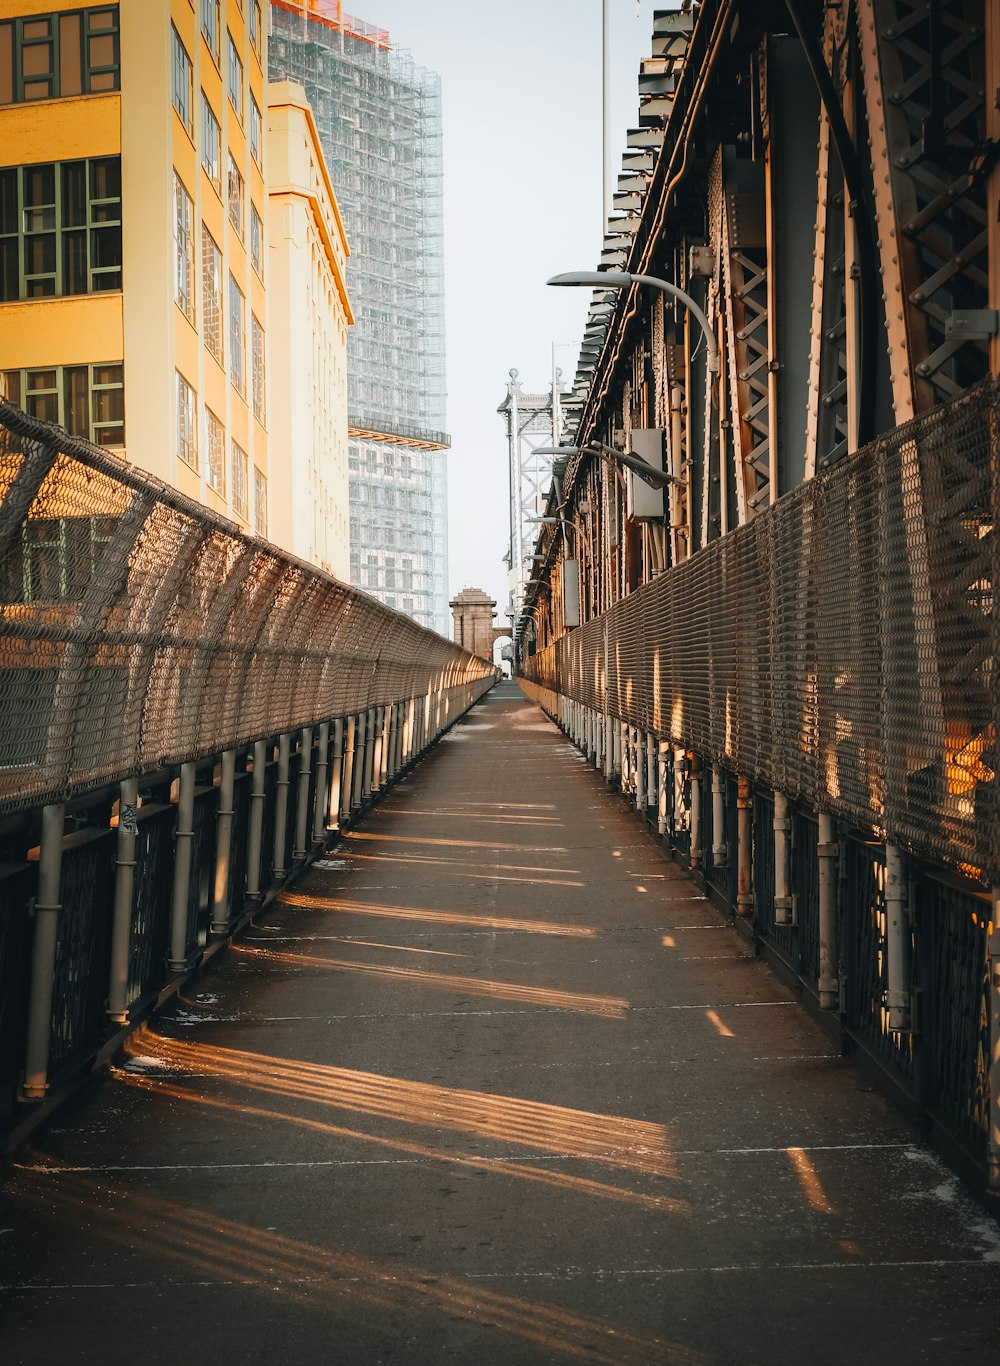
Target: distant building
(473, 612)
(132, 241)
(309, 317)
(379, 121)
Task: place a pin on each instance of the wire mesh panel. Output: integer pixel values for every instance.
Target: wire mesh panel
(953, 934)
(80, 978)
(16, 885)
(841, 647)
(138, 629)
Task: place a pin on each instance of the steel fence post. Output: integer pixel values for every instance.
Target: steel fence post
(696, 856)
(221, 910)
(43, 956)
(828, 851)
(358, 767)
(369, 758)
(993, 979)
(336, 776)
(347, 776)
(281, 806)
(897, 937)
(255, 834)
(640, 771)
(783, 913)
(378, 749)
(321, 799)
(663, 794)
(300, 843)
(720, 850)
(651, 771)
(677, 794)
(744, 848)
(121, 923)
(183, 848)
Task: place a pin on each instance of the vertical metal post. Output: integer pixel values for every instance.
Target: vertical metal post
(898, 946)
(696, 850)
(221, 909)
(378, 747)
(183, 845)
(993, 969)
(43, 957)
(255, 838)
(651, 770)
(640, 771)
(281, 806)
(347, 780)
(829, 861)
(783, 914)
(369, 757)
(300, 843)
(744, 848)
(121, 923)
(336, 776)
(392, 725)
(357, 787)
(720, 850)
(321, 801)
(664, 792)
(677, 795)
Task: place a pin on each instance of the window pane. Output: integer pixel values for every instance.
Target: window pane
(106, 178)
(8, 200)
(9, 273)
(109, 374)
(102, 50)
(103, 18)
(74, 194)
(70, 54)
(43, 406)
(40, 185)
(6, 63)
(76, 400)
(74, 262)
(40, 255)
(36, 60)
(109, 405)
(107, 80)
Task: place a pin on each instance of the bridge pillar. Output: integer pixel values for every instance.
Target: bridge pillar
(43, 957)
(783, 914)
(829, 859)
(221, 909)
(183, 843)
(281, 805)
(121, 924)
(255, 835)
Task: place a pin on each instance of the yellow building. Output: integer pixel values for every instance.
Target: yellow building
(309, 314)
(132, 241)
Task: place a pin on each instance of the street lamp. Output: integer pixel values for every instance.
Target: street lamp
(622, 279)
(656, 479)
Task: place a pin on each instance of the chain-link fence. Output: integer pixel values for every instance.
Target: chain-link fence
(840, 648)
(137, 629)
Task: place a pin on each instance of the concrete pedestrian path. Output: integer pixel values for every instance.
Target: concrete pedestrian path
(493, 1084)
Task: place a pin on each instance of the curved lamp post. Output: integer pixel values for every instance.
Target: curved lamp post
(656, 479)
(622, 279)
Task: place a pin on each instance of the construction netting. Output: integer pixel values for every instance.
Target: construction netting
(841, 647)
(137, 629)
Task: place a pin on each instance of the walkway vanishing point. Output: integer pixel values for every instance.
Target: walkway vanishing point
(461, 1098)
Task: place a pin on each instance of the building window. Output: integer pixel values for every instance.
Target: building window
(211, 143)
(237, 337)
(256, 241)
(60, 229)
(49, 56)
(235, 197)
(257, 364)
(185, 425)
(183, 250)
(88, 400)
(211, 27)
(234, 78)
(211, 294)
(241, 494)
(256, 133)
(255, 25)
(259, 502)
(183, 82)
(215, 473)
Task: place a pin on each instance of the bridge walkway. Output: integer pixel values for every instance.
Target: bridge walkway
(491, 1085)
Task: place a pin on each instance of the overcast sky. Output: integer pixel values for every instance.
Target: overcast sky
(521, 86)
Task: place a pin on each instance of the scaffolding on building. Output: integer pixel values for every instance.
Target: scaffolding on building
(378, 115)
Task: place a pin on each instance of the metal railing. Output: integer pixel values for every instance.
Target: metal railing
(817, 698)
(186, 716)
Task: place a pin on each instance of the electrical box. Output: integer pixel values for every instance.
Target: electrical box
(571, 593)
(643, 503)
